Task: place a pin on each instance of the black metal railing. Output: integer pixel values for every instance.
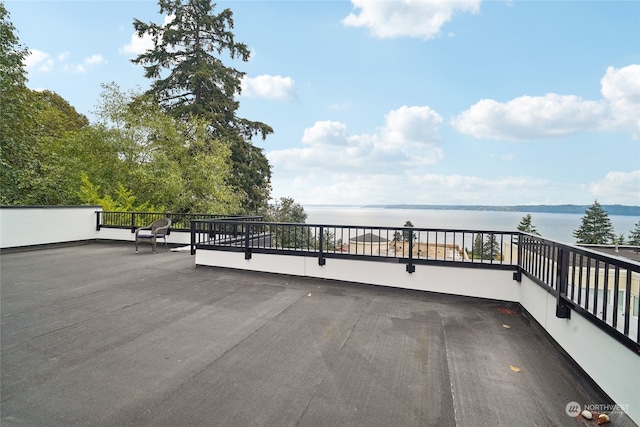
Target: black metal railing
(602, 288)
(133, 220)
(393, 244)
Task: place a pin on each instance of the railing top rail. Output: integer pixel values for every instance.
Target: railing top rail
(591, 253)
(175, 213)
(232, 218)
(362, 227)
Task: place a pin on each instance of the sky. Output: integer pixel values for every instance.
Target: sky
(398, 102)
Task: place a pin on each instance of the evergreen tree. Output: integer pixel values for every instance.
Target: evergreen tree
(485, 247)
(596, 227)
(407, 235)
(634, 236)
(526, 225)
(329, 240)
(478, 247)
(197, 83)
(491, 248)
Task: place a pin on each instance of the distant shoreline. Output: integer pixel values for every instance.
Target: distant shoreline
(623, 210)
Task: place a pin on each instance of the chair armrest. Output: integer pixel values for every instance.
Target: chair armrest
(162, 230)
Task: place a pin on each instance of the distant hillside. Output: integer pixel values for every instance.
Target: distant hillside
(568, 209)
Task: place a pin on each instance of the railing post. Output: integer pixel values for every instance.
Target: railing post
(517, 275)
(321, 260)
(192, 226)
(247, 249)
(133, 222)
(97, 220)
(563, 309)
(410, 267)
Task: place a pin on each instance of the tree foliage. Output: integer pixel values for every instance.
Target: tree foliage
(526, 225)
(486, 247)
(596, 227)
(197, 82)
(16, 120)
(167, 162)
(408, 235)
(634, 235)
(124, 200)
(286, 209)
(180, 145)
(190, 79)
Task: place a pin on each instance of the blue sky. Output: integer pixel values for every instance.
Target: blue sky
(399, 102)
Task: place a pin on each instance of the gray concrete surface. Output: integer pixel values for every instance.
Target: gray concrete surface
(96, 335)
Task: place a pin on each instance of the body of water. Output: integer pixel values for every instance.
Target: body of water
(559, 227)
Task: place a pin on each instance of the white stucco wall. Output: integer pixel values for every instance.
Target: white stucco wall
(476, 282)
(176, 237)
(38, 225)
(611, 365)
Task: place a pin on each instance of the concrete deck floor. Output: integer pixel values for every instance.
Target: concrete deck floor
(96, 335)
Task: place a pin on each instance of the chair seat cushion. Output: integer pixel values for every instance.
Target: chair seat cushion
(149, 236)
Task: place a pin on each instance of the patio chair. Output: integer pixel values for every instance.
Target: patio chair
(158, 229)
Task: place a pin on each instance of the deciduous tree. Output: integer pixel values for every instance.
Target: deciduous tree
(173, 163)
(286, 209)
(16, 120)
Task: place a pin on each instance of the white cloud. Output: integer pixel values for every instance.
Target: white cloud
(621, 88)
(554, 115)
(618, 187)
(43, 62)
(411, 125)
(269, 87)
(407, 18)
(530, 117)
(86, 64)
(392, 186)
(138, 45)
(339, 106)
(38, 60)
(327, 133)
(94, 60)
(408, 140)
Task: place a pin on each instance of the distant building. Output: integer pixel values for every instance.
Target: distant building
(369, 244)
(426, 250)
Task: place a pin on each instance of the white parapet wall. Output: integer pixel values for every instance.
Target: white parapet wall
(22, 226)
(474, 282)
(174, 238)
(25, 226)
(610, 364)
